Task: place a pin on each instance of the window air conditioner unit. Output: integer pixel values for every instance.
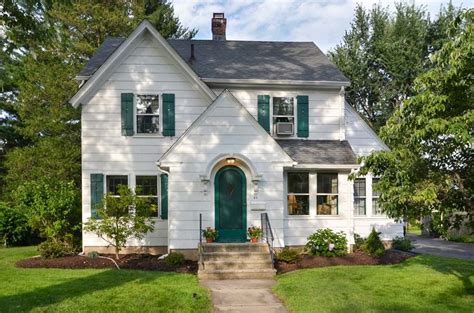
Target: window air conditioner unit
(284, 128)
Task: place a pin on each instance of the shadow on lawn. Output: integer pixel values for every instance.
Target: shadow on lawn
(70, 289)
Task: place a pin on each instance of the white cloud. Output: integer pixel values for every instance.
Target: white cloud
(321, 21)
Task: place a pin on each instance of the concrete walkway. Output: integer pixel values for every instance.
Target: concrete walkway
(440, 247)
(244, 295)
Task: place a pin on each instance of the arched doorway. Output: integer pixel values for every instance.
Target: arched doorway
(231, 204)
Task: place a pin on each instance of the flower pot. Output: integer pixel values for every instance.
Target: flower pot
(209, 240)
(254, 239)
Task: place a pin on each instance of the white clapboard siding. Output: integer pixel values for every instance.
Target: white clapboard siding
(362, 138)
(325, 109)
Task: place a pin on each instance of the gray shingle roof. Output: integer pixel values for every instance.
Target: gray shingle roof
(319, 151)
(266, 60)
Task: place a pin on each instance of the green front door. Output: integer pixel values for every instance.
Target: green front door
(231, 204)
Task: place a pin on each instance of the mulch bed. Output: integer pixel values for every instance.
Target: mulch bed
(129, 261)
(356, 258)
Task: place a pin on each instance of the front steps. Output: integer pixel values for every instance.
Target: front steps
(235, 261)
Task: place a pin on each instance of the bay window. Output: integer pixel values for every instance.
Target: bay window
(327, 194)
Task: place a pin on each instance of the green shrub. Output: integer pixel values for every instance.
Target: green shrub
(54, 249)
(288, 255)
(325, 242)
(402, 243)
(14, 228)
(359, 243)
(465, 239)
(93, 255)
(174, 258)
(374, 246)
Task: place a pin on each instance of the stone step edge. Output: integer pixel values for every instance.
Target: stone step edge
(265, 270)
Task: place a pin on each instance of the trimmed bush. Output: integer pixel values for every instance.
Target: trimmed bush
(359, 243)
(373, 245)
(174, 258)
(325, 242)
(402, 243)
(288, 255)
(52, 249)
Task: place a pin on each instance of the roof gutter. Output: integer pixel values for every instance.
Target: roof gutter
(219, 82)
(82, 77)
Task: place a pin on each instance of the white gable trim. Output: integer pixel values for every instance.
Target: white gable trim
(365, 125)
(226, 94)
(98, 77)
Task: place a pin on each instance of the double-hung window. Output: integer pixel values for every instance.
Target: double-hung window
(376, 209)
(148, 114)
(283, 116)
(359, 196)
(114, 181)
(298, 193)
(147, 187)
(327, 194)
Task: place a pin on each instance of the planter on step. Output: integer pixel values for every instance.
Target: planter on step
(254, 239)
(209, 240)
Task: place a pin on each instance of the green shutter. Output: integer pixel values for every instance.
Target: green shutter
(97, 192)
(164, 197)
(264, 112)
(127, 114)
(168, 114)
(302, 116)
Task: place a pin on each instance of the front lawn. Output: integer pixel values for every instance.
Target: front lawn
(87, 290)
(420, 284)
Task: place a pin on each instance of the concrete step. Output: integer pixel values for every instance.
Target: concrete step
(238, 265)
(236, 256)
(267, 308)
(234, 247)
(237, 274)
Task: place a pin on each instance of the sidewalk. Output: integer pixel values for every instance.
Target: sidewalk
(244, 295)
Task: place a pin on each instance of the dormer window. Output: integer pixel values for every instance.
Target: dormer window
(283, 116)
(148, 114)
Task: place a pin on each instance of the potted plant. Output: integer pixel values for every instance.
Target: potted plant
(254, 233)
(210, 234)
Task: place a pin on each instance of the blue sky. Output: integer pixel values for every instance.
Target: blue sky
(320, 21)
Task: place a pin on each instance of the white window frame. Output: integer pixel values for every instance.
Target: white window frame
(158, 193)
(105, 182)
(361, 197)
(295, 111)
(160, 112)
(328, 194)
(373, 197)
(298, 194)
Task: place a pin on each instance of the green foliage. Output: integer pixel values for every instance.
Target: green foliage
(254, 232)
(465, 239)
(325, 242)
(174, 258)
(359, 242)
(373, 245)
(14, 228)
(428, 170)
(288, 255)
(53, 209)
(383, 52)
(210, 233)
(121, 218)
(402, 243)
(54, 249)
(93, 255)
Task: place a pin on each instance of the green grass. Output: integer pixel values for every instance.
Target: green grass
(465, 239)
(414, 229)
(61, 290)
(420, 284)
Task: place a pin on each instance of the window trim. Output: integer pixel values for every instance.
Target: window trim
(160, 117)
(106, 190)
(295, 118)
(374, 213)
(360, 197)
(158, 194)
(308, 194)
(327, 194)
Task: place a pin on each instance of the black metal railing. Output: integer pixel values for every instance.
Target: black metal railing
(267, 234)
(200, 251)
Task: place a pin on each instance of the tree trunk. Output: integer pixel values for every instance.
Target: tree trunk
(117, 250)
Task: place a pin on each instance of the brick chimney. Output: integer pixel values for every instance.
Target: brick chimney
(218, 25)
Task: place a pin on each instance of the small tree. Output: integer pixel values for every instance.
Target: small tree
(121, 218)
(373, 245)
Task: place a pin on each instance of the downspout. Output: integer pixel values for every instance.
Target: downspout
(162, 171)
(158, 165)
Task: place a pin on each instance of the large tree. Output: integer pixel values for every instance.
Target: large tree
(429, 169)
(383, 52)
(45, 45)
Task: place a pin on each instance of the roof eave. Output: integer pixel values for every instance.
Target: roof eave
(219, 82)
(82, 77)
(327, 166)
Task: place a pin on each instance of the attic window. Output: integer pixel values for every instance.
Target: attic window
(148, 114)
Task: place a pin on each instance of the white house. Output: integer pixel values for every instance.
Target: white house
(226, 130)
